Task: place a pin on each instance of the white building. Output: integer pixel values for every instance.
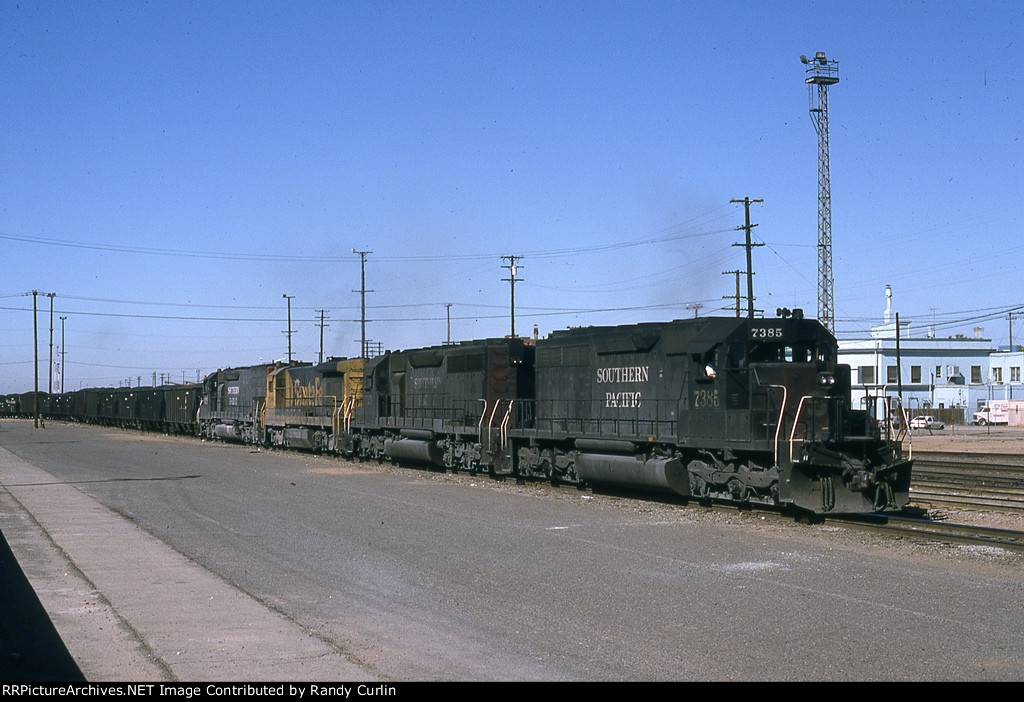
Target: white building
(1004, 375)
(932, 373)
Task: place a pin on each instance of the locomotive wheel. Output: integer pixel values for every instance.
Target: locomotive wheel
(547, 464)
(698, 486)
(736, 489)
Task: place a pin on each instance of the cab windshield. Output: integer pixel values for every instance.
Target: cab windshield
(776, 352)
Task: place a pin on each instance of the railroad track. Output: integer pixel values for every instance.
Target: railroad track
(915, 523)
(969, 481)
(927, 529)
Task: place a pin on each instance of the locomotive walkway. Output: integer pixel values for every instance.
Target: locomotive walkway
(72, 550)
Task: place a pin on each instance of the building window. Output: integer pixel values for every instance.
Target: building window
(1014, 374)
(976, 374)
(867, 375)
(997, 375)
(915, 374)
(891, 375)
(938, 372)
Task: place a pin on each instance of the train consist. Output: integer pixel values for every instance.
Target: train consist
(745, 410)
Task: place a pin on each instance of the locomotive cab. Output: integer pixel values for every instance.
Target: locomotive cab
(829, 456)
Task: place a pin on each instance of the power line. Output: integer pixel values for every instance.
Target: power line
(292, 258)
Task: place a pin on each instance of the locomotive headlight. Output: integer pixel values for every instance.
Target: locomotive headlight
(826, 380)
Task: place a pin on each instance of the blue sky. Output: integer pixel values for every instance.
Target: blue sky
(172, 169)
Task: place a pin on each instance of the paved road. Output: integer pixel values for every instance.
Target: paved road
(162, 558)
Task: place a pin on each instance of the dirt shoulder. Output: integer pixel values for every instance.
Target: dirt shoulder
(968, 439)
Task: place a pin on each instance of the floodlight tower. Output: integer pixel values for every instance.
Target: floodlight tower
(822, 73)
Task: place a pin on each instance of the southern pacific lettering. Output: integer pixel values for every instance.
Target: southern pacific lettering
(624, 374)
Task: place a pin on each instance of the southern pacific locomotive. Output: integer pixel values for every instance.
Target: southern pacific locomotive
(746, 410)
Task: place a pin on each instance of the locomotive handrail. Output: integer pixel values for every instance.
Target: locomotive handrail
(350, 412)
(903, 415)
(778, 422)
(796, 418)
(796, 422)
(480, 424)
(504, 426)
(870, 401)
(782, 411)
(490, 420)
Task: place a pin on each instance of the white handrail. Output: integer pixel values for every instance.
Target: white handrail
(504, 425)
(480, 424)
(796, 422)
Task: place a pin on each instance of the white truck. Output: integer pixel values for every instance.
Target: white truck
(1000, 412)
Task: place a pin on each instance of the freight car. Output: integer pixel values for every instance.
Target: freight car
(9, 405)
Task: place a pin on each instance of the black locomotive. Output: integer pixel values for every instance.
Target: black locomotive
(746, 410)
(728, 408)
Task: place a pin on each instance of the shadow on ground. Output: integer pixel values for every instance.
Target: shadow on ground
(31, 650)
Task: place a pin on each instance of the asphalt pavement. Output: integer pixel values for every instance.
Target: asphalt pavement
(308, 568)
(163, 619)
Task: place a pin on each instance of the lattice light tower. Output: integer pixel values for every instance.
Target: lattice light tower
(821, 73)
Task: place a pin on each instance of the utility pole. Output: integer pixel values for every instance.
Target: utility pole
(448, 310)
(289, 332)
(737, 273)
(512, 280)
(899, 363)
(1009, 385)
(35, 352)
(822, 73)
(362, 296)
(322, 325)
(50, 368)
(750, 266)
(63, 353)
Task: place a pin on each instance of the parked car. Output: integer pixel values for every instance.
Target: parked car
(924, 421)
